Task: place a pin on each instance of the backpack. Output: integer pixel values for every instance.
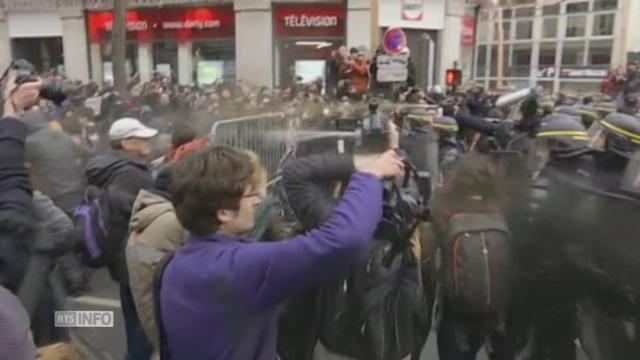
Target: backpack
(91, 226)
(478, 264)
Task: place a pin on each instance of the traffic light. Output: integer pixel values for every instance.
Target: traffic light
(453, 77)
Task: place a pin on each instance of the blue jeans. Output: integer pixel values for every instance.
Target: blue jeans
(138, 346)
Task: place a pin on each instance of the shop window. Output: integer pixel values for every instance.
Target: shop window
(506, 28)
(550, 27)
(525, 12)
(605, 5)
(551, 9)
(130, 55)
(494, 60)
(165, 59)
(213, 60)
(603, 24)
(547, 86)
(576, 26)
(524, 29)
(44, 53)
(580, 87)
(481, 64)
(579, 7)
(520, 60)
(600, 52)
(547, 55)
(573, 53)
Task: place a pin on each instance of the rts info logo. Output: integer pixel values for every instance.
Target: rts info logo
(83, 318)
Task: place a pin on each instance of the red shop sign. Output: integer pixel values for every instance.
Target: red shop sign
(309, 20)
(167, 24)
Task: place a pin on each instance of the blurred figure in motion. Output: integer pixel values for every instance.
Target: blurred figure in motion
(55, 161)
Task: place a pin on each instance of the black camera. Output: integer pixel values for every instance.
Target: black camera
(53, 90)
(405, 205)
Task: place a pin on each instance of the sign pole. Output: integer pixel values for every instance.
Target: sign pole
(375, 29)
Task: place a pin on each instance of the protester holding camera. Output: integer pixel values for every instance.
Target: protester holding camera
(391, 320)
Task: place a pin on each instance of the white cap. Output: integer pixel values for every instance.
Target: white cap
(130, 128)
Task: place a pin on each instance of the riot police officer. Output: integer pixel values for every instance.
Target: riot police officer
(419, 140)
(450, 148)
(544, 311)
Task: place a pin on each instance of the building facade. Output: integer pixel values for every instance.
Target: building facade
(268, 42)
(568, 45)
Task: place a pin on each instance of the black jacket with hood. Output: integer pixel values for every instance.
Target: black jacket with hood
(123, 176)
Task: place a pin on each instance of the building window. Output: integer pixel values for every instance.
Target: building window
(551, 9)
(525, 12)
(520, 60)
(483, 33)
(506, 28)
(550, 27)
(524, 29)
(573, 53)
(576, 26)
(605, 5)
(600, 52)
(547, 55)
(578, 7)
(603, 24)
(481, 65)
(494, 60)
(506, 13)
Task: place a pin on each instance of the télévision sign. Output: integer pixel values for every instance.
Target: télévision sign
(309, 20)
(167, 24)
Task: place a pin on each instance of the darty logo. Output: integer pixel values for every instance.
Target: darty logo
(305, 21)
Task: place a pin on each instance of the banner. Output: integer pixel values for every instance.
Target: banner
(167, 24)
(309, 20)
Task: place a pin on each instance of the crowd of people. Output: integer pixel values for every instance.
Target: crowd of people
(511, 225)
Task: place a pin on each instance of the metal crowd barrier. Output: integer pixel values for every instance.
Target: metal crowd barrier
(268, 135)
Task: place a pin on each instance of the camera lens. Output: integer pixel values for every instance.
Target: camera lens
(54, 90)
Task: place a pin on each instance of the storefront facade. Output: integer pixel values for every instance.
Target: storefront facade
(194, 44)
(266, 42)
(434, 31)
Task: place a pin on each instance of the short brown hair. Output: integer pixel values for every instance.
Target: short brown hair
(208, 181)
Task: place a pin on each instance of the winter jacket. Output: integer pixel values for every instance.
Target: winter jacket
(154, 232)
(334, 321)
(360, 77)
(124, 176)
(221, 296)
(55, 163)
(16, 203)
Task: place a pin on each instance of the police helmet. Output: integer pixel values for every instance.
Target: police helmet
(619, 133)
(419, 118)
(563, 136)
(445, 124)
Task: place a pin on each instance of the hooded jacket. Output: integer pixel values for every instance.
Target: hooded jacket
(124, 176)
(154, 232)
(55, 162)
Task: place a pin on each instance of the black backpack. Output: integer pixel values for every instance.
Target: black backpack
(477, 264)
(91, 220)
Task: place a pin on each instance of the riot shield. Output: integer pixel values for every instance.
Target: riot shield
(631, 180)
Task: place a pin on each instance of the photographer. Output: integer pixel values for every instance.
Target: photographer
(16, 213)
(390, 320)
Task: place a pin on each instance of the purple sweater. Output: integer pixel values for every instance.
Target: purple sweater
(221, 296)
